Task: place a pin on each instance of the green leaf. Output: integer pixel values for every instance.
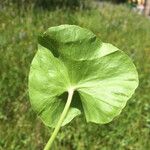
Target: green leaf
(68, 56)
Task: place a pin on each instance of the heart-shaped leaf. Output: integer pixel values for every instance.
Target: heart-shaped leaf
(70, 57)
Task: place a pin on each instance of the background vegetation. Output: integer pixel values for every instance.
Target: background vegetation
(50, 4)
(20, 129)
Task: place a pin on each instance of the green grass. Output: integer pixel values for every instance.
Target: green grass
(20, 129)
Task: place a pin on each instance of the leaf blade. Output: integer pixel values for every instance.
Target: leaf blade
(103, 76)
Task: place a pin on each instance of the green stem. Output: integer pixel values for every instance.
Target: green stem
(62, 117)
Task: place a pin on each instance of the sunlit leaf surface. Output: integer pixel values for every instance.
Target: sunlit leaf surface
(68, 56)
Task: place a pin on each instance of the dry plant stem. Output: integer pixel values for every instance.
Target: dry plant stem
(62, 117)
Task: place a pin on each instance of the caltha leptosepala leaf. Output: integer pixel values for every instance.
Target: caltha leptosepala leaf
(73, 72)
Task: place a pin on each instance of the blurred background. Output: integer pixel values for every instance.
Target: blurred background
(126, 24)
